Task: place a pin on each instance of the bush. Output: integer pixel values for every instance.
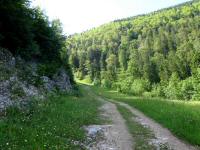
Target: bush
(158, 90)
(116, 86)
(96, 82)
(147, 94)
(187, 88)
(196, 83)
(139, 86)
(48, 69)
(106, 83)
(173, 90)
(125, 85)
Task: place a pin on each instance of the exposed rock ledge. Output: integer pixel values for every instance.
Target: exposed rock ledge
(18, 86)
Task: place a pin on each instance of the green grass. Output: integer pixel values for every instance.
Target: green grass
(52, 124)
(141, 135)
(180, 117)
(85, 81)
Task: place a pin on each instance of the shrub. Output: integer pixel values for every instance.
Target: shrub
(173, 90)
(139, 86)
(196, 83)
(147, 94)
(116, 86)
(187, 88)
(125, 85)
(157, 90)
(96, 82)
(106, 83)
(47, 69)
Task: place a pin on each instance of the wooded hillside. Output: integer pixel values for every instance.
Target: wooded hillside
(157, 54)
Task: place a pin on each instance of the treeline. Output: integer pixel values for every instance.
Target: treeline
(157, 54)
(27, 32)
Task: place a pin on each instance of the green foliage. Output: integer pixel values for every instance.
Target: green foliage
(27, 32)
(106, 83)
(152, 47)
(125, 86)
(96, 82)
(111, 67)
(187, 88)
(139, 86)
(158, 90)
(173, 88)
(196, 83)
(47, 70)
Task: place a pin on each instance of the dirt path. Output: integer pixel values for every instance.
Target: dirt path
(163, 135)
(115, 135)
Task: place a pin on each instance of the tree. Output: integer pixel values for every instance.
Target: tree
(112, 67)
(150, 47)
(15, 26)
(135, 64)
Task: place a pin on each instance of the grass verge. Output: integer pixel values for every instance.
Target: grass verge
(180, 117)
(51, 124)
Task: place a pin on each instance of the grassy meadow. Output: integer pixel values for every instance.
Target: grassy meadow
(51, 124)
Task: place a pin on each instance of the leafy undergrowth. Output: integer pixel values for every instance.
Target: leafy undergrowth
(180, 117)
(51, 124)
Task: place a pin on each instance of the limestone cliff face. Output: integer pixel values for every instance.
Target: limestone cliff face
(19, 81)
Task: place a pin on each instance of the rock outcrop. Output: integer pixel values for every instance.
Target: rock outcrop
(5, 100)
(60, 81)
(18, 81)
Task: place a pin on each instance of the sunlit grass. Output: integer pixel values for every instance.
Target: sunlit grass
(85, 81)
(51, 124)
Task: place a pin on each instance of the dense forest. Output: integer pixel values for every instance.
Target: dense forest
(27, 32)
(156, 54)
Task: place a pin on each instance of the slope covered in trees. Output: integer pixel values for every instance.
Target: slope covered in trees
(157, 54)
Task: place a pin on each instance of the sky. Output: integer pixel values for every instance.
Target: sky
(80, 15)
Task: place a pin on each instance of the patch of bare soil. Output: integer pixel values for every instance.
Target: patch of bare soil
(114, 136)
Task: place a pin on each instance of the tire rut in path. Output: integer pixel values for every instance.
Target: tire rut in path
(115, 135)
